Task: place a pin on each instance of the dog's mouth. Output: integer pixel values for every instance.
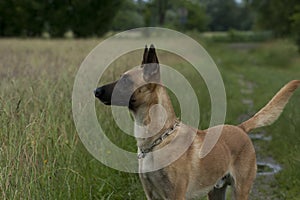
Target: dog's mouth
(108, 103)
(105, 102)
(117, 102)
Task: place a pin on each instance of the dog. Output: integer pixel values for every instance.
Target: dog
(231, 161)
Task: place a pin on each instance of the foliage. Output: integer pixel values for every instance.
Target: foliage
(156, 12)
(177, 14)
(196, 18)
(274, 15)
(54, 18)
(241, 36)
(296, 26)
(33, 17)
(201, 15)
(227, 14)
(282, 17)
(128, 17)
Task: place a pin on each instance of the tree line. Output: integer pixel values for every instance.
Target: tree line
(95, 17)
(33, 17)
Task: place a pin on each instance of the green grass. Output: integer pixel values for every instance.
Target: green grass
(41, 155)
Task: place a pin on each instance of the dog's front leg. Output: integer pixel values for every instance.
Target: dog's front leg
(180, 189)
(158, 189)
(147, 187)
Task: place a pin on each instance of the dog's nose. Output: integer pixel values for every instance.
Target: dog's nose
(99, 92)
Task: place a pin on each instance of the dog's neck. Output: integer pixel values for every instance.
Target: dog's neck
(154, 118)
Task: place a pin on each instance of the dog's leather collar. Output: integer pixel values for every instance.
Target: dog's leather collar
(156, 142)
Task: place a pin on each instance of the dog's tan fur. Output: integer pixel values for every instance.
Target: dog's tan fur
(232, 158)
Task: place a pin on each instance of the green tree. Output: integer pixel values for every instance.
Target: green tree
(196, 18)
(23, 17)
(129, 16)
(282, 17)
(32, 17)
(296, 26)
(155, 11)
(274, 15)
(92, 17)
(224, 15)
(178, 14)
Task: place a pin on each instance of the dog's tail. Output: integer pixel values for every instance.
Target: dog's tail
(270, 113)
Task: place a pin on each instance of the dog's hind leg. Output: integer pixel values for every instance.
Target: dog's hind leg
(243, 175)
(242, 186)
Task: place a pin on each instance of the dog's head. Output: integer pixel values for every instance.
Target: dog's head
(135, 87)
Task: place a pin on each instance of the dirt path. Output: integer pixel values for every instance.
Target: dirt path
(265, 183)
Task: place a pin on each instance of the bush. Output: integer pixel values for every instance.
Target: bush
(242, 36)
(125, 20)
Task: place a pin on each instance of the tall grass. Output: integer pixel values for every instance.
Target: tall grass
(41, 155)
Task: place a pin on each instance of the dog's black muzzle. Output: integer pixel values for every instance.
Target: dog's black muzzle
(114, 94)
(104, 93)
(99, 92)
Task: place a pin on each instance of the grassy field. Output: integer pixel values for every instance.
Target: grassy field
(41, 155)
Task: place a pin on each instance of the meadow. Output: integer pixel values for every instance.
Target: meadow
(41, 154)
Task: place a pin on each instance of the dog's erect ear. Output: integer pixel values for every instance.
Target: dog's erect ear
(145, 55)
(152, 57)
(151, 66)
